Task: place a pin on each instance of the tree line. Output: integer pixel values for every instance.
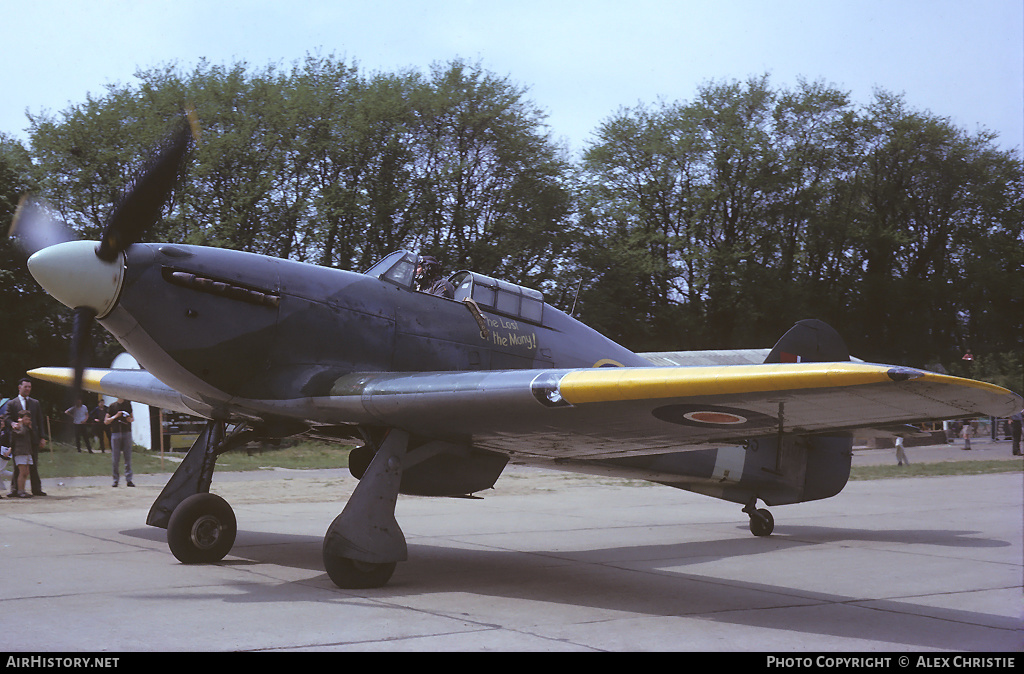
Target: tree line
(711, 223)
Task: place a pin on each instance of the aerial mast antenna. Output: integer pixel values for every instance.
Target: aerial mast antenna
(572, 312)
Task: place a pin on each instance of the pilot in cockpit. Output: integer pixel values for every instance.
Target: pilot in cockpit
(429, 279)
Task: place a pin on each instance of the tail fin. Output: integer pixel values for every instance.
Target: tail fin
(809, 341)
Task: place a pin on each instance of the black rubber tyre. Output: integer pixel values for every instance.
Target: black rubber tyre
(763, 525)
(201, 529)
(349, 574)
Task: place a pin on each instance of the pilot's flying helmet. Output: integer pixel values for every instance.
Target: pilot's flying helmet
(428, 262)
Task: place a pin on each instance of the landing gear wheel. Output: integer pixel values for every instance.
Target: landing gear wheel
(201, 529)
(762, 523)
(352, 575)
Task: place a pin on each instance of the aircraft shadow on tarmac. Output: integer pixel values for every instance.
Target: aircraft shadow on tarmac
(304, 552)
(252, 548)
(645, 580)
(940, 537)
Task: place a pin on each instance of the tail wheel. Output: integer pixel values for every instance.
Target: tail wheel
(201, 529)
(762, 523)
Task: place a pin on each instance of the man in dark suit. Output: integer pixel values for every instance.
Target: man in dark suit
(20, 402)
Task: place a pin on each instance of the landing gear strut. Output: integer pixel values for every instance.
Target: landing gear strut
(364, 543)
(761, 521)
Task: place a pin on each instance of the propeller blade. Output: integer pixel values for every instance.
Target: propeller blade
(139, 208)
(35, 226)
(81, 347)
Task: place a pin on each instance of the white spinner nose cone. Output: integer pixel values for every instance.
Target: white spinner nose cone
(73, 274)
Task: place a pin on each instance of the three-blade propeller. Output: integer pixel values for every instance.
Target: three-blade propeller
(35, 226)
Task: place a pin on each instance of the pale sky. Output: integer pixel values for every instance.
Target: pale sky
(581, 60)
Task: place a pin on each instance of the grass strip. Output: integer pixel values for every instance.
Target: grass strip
(65, 461)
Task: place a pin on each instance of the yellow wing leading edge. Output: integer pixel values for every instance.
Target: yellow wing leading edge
(625, 384)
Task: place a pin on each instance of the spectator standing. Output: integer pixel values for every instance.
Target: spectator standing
(79, 414)
(119, 418)
(1015, 432)
(24, 444)
(24, 401)
(967, 432)
(101, 430)
(901, 456)
(5, 452)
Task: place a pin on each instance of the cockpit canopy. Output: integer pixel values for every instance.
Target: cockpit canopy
(398, 268)
(501, 297)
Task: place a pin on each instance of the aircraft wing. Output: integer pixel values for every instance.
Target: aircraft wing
(136, 385)
(614, 412)
(609, 412)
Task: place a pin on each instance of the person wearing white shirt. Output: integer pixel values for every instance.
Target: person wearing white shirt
(79, 414)
(24, 401)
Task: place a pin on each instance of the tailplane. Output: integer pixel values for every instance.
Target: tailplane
(809, 341)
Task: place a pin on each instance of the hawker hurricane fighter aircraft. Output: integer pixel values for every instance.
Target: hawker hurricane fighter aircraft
(442, 392)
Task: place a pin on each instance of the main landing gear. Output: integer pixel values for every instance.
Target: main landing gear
(364, 543)
(361, 549)
(761, 521)
(201, 526)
